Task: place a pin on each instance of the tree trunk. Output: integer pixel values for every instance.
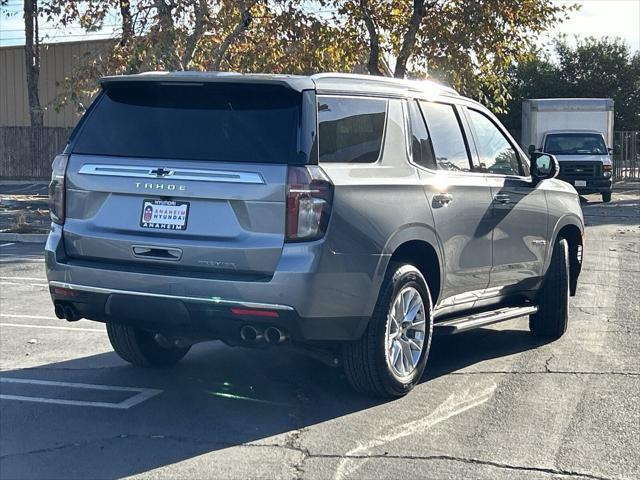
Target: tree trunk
(127, 22)
(243, 24)
(32, 61)
(409, 40)
(167, 47)
(373, 64)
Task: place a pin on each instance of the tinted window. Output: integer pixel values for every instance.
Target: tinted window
(575, 144)
(225, 122)
(420, 145)
(350, 129)
(446, 136)
(495, 152)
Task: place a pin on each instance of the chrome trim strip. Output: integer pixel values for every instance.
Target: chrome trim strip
(213, 300)
(202, 175)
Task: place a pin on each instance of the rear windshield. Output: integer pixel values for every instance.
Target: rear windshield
(575, 144)
(220, 122)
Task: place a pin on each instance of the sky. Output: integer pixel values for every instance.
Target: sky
(614, 18)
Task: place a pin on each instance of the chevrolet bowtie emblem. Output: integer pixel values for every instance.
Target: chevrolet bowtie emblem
(160, 172)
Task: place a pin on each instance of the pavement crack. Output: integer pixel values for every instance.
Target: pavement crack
(547, 362)
(474, 461)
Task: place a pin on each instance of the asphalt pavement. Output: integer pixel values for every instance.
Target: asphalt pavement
(495, 403)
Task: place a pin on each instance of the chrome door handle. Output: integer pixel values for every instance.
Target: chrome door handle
(502, 198)
(443, 199)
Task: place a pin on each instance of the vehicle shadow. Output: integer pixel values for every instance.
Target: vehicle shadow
(217, 398)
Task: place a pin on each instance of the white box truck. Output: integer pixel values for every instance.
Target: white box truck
(579, 132)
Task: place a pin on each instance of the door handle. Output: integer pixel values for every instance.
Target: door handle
(502, 198)
(443, 199)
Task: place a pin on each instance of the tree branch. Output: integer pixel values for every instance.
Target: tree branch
(243, 24)
(201, 19)
(373, 64)
(420, 10)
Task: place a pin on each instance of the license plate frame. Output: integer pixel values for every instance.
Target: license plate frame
(169, 215)
(580, 183)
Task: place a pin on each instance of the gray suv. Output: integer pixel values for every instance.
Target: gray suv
(348, 217)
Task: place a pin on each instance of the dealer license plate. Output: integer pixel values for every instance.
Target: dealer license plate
(164, 214)
(580, 183)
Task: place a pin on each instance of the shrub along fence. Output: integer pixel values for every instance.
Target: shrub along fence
(17, 162)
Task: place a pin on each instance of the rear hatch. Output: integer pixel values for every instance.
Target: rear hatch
(189, 177)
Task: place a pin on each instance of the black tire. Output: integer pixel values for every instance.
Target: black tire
(138, 347)
(552, 316)
(606, 197)
(365, 361)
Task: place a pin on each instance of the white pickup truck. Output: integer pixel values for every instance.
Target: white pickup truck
(579, 132)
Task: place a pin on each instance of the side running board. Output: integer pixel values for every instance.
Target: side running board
(462, 324)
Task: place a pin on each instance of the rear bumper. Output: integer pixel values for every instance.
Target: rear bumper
(593, 185)
(317, 295)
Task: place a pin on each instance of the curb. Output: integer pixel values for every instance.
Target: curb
(24, 237)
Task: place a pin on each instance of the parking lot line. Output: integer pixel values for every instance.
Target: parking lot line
(25, 279)
(34, 317)
(3, 282)
(50, 327)
(141, 394)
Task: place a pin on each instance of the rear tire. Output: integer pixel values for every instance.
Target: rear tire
(138, 347)
(552, 316)
(606, 197)
(367, 362)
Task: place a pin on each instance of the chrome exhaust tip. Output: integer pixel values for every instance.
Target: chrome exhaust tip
(250, 334)
(274, 335)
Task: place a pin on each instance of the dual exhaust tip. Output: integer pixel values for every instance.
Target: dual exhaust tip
(271, 335)
(67, 312)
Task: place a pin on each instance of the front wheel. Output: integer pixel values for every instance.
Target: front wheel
(606, 197)
(552, 316)
(140, 348)
(389, 359)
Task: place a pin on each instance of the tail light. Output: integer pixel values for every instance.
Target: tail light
(309, 196)
(56, 189)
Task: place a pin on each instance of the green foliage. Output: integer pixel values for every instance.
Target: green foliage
(468, 44)
(593, 68)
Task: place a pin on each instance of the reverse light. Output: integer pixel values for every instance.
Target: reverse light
(57, 189)
(309, 197)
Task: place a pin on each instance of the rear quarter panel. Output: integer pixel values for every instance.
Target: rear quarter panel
(379, 206)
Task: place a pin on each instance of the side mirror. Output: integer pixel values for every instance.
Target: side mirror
(610, 150)
(543, 166)
(532, 151)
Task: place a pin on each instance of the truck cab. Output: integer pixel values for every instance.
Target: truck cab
(585, 160)
(579, 132)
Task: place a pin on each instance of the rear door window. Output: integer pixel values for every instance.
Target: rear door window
(350, 129)
(210, 121)
(420, 144)
(448, 142)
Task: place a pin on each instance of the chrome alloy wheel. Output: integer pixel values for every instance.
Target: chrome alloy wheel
(406, 329)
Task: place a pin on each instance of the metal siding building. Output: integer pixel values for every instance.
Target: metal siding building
(58, 60)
